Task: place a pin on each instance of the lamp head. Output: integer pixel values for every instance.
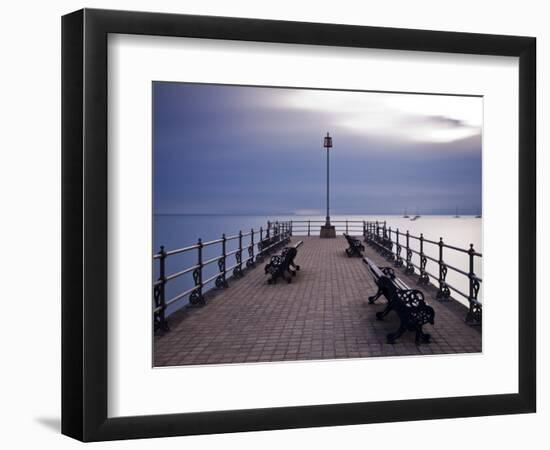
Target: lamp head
(328, 142)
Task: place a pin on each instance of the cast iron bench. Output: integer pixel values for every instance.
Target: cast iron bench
(408, 303)
(283, 263)
(355, 246)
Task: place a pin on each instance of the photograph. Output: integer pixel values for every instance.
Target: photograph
(301, 224)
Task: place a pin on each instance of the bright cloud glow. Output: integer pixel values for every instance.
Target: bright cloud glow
(408, 117)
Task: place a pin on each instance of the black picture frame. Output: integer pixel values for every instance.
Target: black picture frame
(84, 224)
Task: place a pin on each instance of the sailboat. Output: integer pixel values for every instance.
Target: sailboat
(417, 216)
(456, 213)
(405, 215)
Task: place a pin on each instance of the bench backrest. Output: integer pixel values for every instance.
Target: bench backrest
(351, 239)
(385, 279)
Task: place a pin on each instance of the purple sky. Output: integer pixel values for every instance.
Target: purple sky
(252, 150)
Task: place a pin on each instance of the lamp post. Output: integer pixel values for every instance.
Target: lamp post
(328, 230)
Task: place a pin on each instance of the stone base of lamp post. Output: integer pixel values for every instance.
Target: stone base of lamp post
(328, 231)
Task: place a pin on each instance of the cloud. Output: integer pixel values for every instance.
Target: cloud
(403, 117)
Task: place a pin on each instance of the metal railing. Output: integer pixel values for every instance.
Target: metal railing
(259, 243)
(313, 227)
(388, 243)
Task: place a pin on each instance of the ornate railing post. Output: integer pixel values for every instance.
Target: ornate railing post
(287, 231)
(250, 260)
(346, 226)
(309, 227)
(444, 292)
(260, 255)
(238, 270)
(364, 232)
(423, 278)
(378, 238)
(474, 314)
(221, 280)
(409, 269)
(291, 227)
(159, 295)
(398, 259)
(267, 232)
(390, 256)
(196, 297)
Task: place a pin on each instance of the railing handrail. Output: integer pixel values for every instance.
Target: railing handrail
(463, 250)
(331, 221)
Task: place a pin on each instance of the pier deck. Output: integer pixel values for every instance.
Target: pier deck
(323, 314)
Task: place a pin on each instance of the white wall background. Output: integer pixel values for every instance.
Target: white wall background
(30, 225)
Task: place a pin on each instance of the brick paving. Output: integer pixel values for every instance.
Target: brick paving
(323, 314)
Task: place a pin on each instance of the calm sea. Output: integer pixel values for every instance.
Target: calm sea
(177, 231)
